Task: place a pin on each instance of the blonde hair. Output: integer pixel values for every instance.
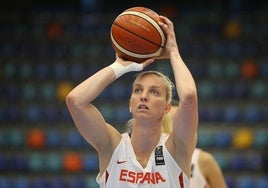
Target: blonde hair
(166, 126)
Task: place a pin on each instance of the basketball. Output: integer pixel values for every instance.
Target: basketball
(136, 34)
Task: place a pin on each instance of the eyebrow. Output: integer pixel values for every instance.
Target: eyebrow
(151, 87)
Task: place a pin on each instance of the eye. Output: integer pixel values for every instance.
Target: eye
(137, 90)
(155, 92)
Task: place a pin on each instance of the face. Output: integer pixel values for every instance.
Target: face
(148, 99)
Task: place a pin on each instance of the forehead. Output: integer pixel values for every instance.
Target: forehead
(150, 80)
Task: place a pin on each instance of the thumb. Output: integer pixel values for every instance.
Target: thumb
(148, 62)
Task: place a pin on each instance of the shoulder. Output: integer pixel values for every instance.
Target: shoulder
(207, 162)
(205, 157)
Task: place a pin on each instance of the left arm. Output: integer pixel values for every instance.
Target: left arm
(182, 140)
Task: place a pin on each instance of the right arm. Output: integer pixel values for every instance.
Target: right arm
(87, 118)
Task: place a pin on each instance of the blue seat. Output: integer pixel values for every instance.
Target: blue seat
(259, 90)
(223, 139)
(241, 90)
(251, 48)
(264, 69)
(60, 70)
(108, 112)
(59, 50)
(21, 182)
(13, 113)
(77, 71)
(53, 162)
(7, 49)
(43, 50)
(245, 182)
(198, 48)
(206, 89)
(119, 91)
(5, 182)
(4, 163)
(76, 182)
(42, 71)
(3, 114)
(36, 162)
(238, 162)
(91, 162)
(26, 70)
(51, 113)
(262, 182)
(4, 139)
(256, 162)
(222, 160)
(75, 140)
(11, 92)
(232, 114)
(198, 70)
(203, 113)
(16, 138)
(33, 113)
(18, 163)
(58, 182)
(230, 181)
(122, 114)
(29, 92)
(9, 69)
(264, 114)
(261, 139)
(252, 114)
(54, 139)
(232, 70)
(91, 182)
(234, 49)
(40, 182)
(64, 114)
(223, 90)
(215, 69)
(215, 113)
(218, 48)
(47, 91)
(205, 139)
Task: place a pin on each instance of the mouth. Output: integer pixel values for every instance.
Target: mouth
(143, 106)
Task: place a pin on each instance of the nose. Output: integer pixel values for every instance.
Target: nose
(144, 97)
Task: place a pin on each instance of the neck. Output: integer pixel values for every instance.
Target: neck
(144, 138)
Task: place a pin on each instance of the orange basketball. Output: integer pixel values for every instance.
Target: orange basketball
(136, 34)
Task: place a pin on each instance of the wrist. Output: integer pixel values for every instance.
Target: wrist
(119, 69)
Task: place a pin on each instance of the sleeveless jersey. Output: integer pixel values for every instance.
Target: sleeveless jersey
(196, 179)
(124, 171)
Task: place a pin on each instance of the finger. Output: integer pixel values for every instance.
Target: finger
(148, 62)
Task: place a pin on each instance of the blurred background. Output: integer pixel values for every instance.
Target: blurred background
(47, 47)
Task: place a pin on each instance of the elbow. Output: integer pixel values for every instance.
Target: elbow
(190, 97)
(71, 100)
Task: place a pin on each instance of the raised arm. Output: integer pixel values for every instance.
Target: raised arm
(88, 120)
(185, 119)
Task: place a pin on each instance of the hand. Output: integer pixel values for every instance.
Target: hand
(133, 64)
(171, 43)
(121, 66)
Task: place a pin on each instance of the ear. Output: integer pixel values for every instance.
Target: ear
(167, 108)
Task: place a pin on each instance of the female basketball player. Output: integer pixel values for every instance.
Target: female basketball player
(149, 157)
(205, 171)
